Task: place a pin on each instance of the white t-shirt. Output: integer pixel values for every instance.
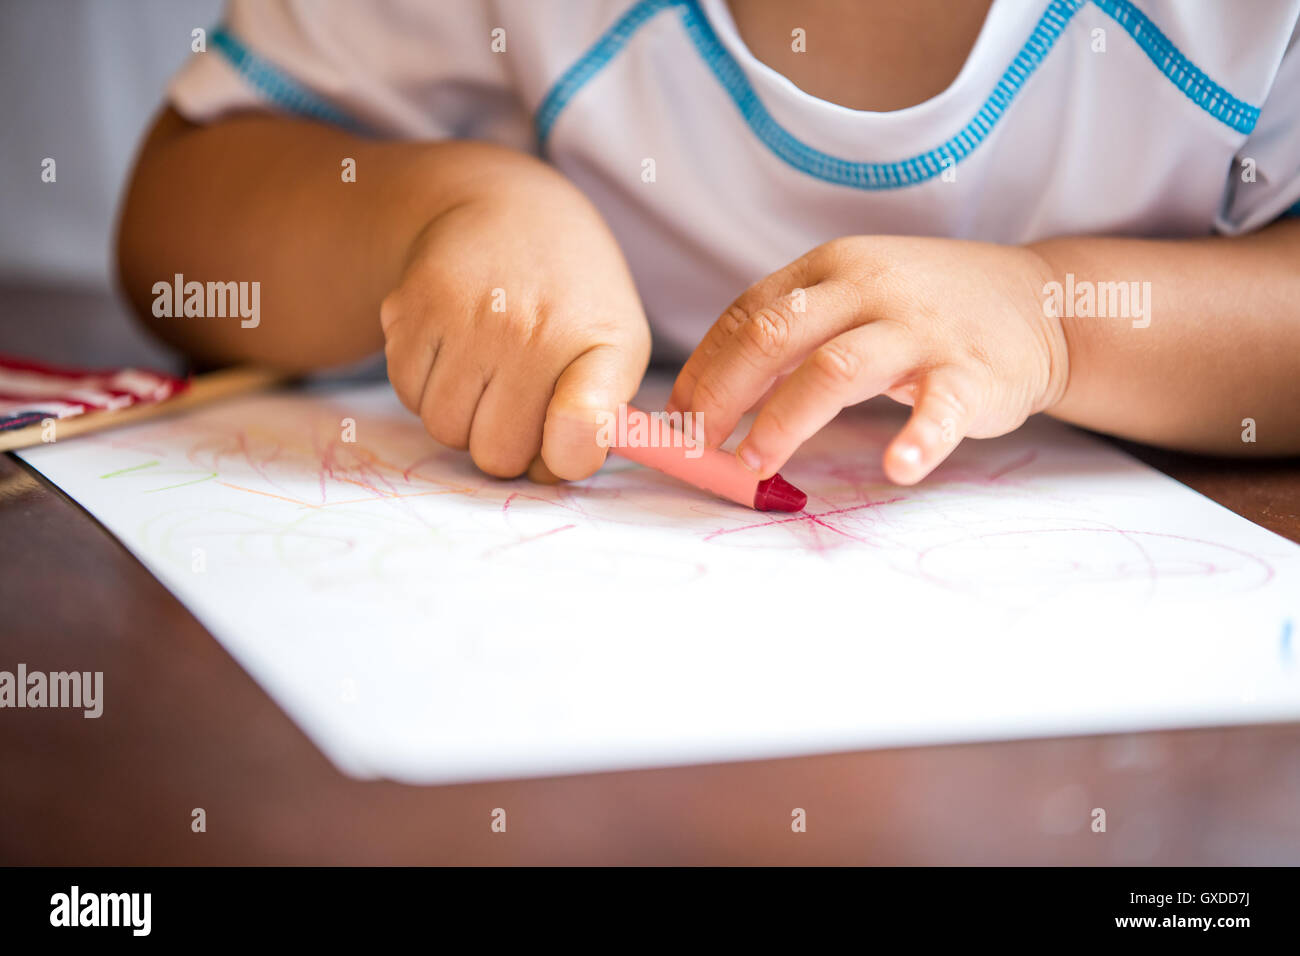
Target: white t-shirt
(1115, 117)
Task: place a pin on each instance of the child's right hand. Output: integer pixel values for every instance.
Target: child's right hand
(515, 324)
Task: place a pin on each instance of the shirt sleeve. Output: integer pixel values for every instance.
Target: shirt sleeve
(394, 68)
(1264, 182)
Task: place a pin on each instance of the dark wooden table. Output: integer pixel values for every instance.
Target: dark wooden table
(187, 728)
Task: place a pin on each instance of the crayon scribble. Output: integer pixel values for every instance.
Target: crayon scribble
(1011, 523)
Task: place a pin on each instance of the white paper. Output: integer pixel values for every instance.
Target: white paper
(423, 622)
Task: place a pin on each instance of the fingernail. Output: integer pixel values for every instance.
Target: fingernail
(749, 458)
(908, 454)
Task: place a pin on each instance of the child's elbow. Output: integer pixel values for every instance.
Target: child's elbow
(133, 267)
(139, 248)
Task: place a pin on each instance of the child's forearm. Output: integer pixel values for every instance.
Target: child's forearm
(1222, 344)
(261, 198)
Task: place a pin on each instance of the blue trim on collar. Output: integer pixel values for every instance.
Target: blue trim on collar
(1195, 84)
(593, 61)
(1179, 70)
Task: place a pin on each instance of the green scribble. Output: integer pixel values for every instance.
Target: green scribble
(182, 484)
(123, 471)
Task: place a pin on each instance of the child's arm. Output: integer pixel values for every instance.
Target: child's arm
(501, 298)
(959, 330)
(261, 198)
(1223, 343)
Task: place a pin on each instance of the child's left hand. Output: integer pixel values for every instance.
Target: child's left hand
(956, 329)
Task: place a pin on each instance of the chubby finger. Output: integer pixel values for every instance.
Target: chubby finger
(772, 341)
(590, 388)
(409, 358)
(450, 398)
(540, 474)
(848, 369)
(770, 288)
(506, 433)
(941, 417)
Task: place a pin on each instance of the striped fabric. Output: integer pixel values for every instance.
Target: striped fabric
(31, 392)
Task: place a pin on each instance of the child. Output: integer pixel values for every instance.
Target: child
(984, 210)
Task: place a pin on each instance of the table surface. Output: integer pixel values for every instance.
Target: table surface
(188, 728)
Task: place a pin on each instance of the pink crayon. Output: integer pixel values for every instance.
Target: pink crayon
(712, 470)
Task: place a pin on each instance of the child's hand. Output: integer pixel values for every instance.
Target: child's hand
(515, 323)
(955, 329)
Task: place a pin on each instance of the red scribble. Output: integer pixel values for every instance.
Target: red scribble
(406, 472)
(807, 517)
(528, 540)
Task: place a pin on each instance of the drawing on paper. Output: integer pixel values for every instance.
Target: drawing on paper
(1042, 582)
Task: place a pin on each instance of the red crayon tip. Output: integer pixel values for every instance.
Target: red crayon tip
(777, 494)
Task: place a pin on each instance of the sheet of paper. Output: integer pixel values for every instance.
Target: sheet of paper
(423, 622)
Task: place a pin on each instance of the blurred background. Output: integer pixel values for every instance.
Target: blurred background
(81, 80)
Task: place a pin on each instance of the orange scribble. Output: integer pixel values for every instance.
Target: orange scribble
(377, 496)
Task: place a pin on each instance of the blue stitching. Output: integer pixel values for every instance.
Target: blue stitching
(905, 172)
(593, 61)
(276, 85)
(1198, 87)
